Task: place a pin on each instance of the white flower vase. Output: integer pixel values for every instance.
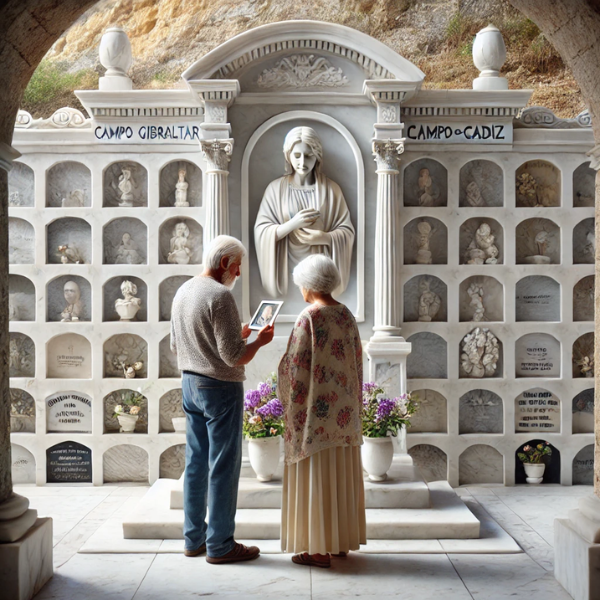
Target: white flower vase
(264, 456)
(178, 424)
(127, 422)
(377, 455)
(534, 472)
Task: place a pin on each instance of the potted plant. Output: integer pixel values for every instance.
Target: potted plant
(382, 417)
(128, 412)
(532, 459)
(263, 427)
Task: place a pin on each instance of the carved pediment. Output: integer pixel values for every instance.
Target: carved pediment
(302, 71)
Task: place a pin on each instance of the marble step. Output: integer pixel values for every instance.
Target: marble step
(404, 488)
(447, 518)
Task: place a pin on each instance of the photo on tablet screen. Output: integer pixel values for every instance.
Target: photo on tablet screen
(265, 314)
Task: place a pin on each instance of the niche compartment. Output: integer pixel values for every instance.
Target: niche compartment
(138, 192)
(57, 303)
(169, 177)
(537, 298)
(418, 286)
(583, 412)
(111, 424)
(21, 186)
(180, 242)
(125, 349)
(425, 184)
(21, 355)
(538, 242)
(166, 292)
(584, 242)
(584, 186)
(21, 242)
(417, 250)
(537, 184)
(21, 298)
(471, 304)
(125, 242)
(481, 185)
(75, 234)
(583, 299)
(68, 185)
(480, 411)
(111, 292)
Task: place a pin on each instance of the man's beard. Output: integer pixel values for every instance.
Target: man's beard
(228, 280)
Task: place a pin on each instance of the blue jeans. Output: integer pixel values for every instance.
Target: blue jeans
(213, 459)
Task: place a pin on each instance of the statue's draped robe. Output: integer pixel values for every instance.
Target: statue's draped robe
(275, 210)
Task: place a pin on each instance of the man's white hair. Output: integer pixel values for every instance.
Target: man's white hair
(223, 246)
(317, 273)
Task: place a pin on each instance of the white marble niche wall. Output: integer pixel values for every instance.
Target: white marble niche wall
(56, 302)
(431, 461)
(428, 358)
(21, 298)
(468, 244)
(583, 412)
(21, 242)
(166, 292)
(21, 186)
(584, 186)
(68, 185)
(111, 292)
(112, 195)
(414, 242)
(172, 462)
(481, 184)
(583, 356)
(22, 411)
(583, 299)
(414, 289)
(584, 242)
(537, 298)
(125, 349)
(169, 176)
(537, 184)
(432, 412)
(111, 423)
(125, 463)
(72, 232)
(493, 299)
(169, 253)
(480, 411)
(529, 251)
(21, 355)
(125, 242)
(170, 407)
(425, 183)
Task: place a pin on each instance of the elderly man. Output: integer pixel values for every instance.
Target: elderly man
(211, 349)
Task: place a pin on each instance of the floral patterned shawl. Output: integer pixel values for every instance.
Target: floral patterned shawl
(320, 382)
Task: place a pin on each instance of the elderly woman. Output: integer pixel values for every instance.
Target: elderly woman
(320, 382)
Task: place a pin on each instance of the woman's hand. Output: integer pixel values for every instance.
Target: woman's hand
(304, 218)
(246, 331)
(314, 237)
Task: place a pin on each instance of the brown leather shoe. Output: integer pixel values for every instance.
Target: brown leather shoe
(238, 554)
(197, 552)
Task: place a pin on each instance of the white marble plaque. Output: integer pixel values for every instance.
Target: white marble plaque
(69, 412)
(537, 355)
(537, 410)
(69, 357)
(480, 464)
(537, 299)
(23, 465)
(428, 358)
(480, 411)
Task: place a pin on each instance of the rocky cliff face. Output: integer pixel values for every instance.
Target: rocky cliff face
(169, 35)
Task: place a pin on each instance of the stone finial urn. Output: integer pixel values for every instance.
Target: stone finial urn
(489, 54)
(115, 56)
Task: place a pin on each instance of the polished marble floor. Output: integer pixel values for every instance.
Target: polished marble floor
(526, 513)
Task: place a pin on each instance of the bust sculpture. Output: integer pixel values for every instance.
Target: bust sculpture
(482, 249)
(179, 248)
(128, 306)
(127, 252)
(425, 190)
(424, 235)
(475, 292)
(74, 307)
(126, 187)
(429, 302)
(302, 213)
(474, 197)
(181, 188)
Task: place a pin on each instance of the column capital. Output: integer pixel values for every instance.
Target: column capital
(217, 154)
(387, 154)
(594, 155)
(7, 155)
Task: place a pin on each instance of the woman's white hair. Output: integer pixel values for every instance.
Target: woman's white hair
(223, 246)
(317, 273)
(310, 137)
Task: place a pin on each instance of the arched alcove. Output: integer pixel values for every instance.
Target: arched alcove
(22, 465)
(481, 242)
(166, 292)
(425, 299)
(432, 414)
(537, 298)
(537, 409)
(425, 242)
(120, 397)
(480, 463)
(583, 412)
(170, 406)
(68, 185)
(125, 184)
(537, 183)
(125, 242)
(431, 462)
(537, 355)
(68, 412)
(481, 184)
(172, 462)
(428, 358)
(68, 299)
(21, 298)
(116, 290)
(21, 242)
(122, 353)
(21, 355)
(583, 466)
(22, 411)
(125, 463)
(69, 462)
(538, 242)
(21, 186)
(584, 242)
(584, 186)
(425, 183)
(480, 411)
(583, 299)
(69, 356)
(169, 179)
(168, 361)
(480, 355)
(180, 242)
(69, 241)
(583, 356)
(481, 299)
(552, 470)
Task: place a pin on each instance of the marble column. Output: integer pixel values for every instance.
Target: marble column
(217, 154)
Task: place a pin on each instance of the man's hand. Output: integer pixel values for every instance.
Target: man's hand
(246, 331)
(265, 335)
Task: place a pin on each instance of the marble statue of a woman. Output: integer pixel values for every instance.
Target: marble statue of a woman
(181, 189)
(425, 191)
(127, 251)
(126, 187)
(128, 306)
(180, 251)
(74, 307)
(302, 213)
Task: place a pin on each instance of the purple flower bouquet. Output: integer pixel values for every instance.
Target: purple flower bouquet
(263, 411)
(383, 416)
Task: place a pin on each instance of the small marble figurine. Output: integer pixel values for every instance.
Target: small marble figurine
(475, 292)
(425, 191)
(541, 245)
(181, 190)
(74, 307)
(482, 249)
(480, 353)
(474, 197)
(128, 306)
(126, 186)
(74, 199)
(423, 253)
(429, 302)
(180, 251)
(127, 252)
(70, 254)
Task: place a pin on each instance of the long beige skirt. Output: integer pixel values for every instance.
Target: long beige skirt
(323, 504)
